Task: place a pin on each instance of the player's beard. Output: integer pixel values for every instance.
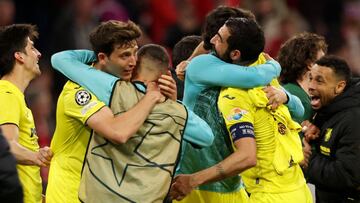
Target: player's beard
(225, 57)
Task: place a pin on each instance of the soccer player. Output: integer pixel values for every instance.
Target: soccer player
(102, 85)
(79, 112)
(150, 156)
(204, 103)
(268, 165)
(18, 66)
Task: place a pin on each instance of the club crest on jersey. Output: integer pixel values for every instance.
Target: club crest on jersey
(281, 128)
(82, 97)
(235, 114)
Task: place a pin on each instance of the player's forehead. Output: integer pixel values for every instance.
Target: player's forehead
(125, 50)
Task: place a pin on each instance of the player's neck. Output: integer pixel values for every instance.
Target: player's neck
(138, 77)
(303, 81)
(243, 63)
(18, 79)
(97, 66)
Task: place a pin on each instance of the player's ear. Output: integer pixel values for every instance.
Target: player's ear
(19, 56)
(340, 87)
(102, 58)
(235, 54)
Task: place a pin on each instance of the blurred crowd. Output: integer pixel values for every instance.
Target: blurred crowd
(65, 24)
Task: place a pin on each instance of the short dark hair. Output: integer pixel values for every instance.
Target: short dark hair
(297, 53)
(108, 34)
(154, 52)
(338, 65)
(184, 48)
(245, 36)
(217, 18)
(13, 38)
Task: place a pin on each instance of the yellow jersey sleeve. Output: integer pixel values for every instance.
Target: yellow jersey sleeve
(9, 108)
(81, 104)
(238, 113)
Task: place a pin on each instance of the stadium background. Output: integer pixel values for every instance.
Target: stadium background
(65, 24)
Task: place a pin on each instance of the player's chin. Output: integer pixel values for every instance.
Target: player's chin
(126, 77)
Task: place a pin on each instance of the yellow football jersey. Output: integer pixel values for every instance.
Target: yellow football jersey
(13, 110)
(246, 114)
(75, 105)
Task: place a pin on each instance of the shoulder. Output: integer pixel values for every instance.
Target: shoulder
(234, 91)
(350, 115)
(203, 57)
(293, 88)
(71, 88)
(70, 85)
(297, 91)
(125, 86)
(6, 89)
(233, 96)
(74, 93)
(10, 102)
(346, 121)
(345, 126)
(9, 94)
(203, 60)
(290, 85)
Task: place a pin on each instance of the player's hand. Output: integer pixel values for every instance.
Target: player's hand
(268, 57)
(181, 186)
(276, 96)
(167, 86)
(43, 156)
(311, 132)
(307, 153)
(181, 69)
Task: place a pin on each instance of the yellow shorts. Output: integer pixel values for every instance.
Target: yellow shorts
(201, 196)
(301, 195)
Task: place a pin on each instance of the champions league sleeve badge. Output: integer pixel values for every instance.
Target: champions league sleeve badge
(82, 97)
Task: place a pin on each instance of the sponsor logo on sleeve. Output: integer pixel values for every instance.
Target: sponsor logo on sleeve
(236, 114)
(86, 108)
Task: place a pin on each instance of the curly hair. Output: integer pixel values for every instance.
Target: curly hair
(297, 53)
(110, 33)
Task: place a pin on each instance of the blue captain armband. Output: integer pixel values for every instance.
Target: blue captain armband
(241, 130)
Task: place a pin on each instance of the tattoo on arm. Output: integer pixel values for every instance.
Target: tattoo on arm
(220, 171)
